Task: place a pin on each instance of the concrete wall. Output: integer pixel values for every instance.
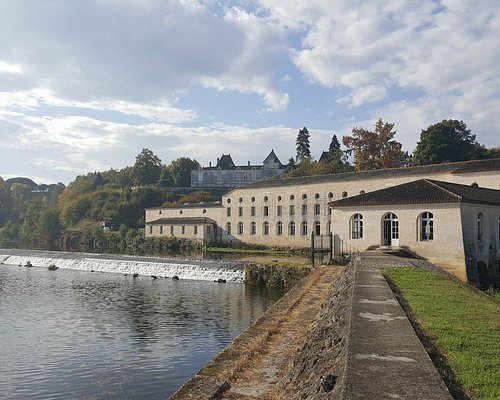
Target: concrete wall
(446, 249)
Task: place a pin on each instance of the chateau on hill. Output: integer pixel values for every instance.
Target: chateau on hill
(227, 174)
(448, 213)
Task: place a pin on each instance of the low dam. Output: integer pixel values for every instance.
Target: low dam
(147, 266)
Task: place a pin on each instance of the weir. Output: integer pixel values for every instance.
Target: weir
(167, 268)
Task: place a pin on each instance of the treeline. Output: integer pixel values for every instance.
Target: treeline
(445, 141)
(39, 215)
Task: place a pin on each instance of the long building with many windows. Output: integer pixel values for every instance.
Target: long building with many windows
(285, 212)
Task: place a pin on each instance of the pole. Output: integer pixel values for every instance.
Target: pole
(312, 249)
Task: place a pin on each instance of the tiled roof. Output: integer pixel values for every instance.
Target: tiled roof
(208, 204)
(181, 221)
(423, 191)
(453, 168)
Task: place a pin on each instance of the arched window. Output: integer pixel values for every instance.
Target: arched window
(252, 199)
(426, 226)
(317, 228)
(361, 192)
(279, 198)
(304, 196)
(253, 228)
(228, 200)
(291, 229)
(265, 228)
(228, 228)
(480, 226)
(279, 228)
(303, 228)
(240, 228)
(316, 196)
(292, 197)
(330, 195)
(344, 194)
(266, 198)
(357, 226)
(240, 199)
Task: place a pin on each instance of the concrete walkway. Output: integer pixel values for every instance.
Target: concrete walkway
(385, 359)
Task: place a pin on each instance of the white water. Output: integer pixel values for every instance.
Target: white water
(198, 270)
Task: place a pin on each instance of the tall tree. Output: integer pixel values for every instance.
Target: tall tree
(180, 170)
(147, 168)
(334, 145)
(303, 146)
(448, 140)
(376, 149)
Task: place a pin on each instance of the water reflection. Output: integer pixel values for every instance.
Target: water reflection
(70, 334)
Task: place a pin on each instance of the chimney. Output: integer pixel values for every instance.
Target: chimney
(210, 163)
(248, 163)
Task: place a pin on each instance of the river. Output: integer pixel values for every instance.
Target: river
(70, 334)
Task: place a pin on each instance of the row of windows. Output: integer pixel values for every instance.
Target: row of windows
(183, 229)
(303, 228)
(391, 226)
(279, 210)
(292, 197)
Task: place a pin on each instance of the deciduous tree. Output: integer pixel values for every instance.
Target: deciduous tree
(147, 168)
(376, 149)
(448, 140)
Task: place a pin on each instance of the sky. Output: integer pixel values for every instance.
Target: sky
(86, 85)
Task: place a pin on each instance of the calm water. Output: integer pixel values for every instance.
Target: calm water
(79, 335)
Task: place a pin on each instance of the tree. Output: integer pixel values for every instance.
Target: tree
(446, 141)
(6, 203)
(376, 149)
(334, 145)
(303, 146)
(147, 168)
(180, 170)
(165, 177)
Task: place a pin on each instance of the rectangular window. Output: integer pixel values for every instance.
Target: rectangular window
(183, 229)
(292, 210)
(304, 209)
(195, 230)
(317, 209)
(172, 230)
(252, 211)
(161, 229)
(208, 230)
(150, 229)
(266, 211)
(240, 211)
(279, 211)
(228, 211)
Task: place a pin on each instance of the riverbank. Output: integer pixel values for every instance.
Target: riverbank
(254, 366)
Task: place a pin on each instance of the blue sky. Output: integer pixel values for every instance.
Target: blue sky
(84, 86)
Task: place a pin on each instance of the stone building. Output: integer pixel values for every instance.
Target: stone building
(227, 174)
(456, 226)
(284, 212)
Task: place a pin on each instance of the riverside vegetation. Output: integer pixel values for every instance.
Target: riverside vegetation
(459, 326)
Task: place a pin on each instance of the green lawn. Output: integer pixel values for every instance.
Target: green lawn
(463, 323)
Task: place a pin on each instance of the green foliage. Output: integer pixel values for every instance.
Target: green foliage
(303, 145)
(446, 141)
(197, 197)
(311, 168)
(376, 149)
(464, 323)
(147, 168)
(6, 203)
(180, 171)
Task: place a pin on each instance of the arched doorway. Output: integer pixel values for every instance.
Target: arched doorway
(390, 230)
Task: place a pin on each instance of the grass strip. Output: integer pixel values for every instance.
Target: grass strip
(459, 326)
